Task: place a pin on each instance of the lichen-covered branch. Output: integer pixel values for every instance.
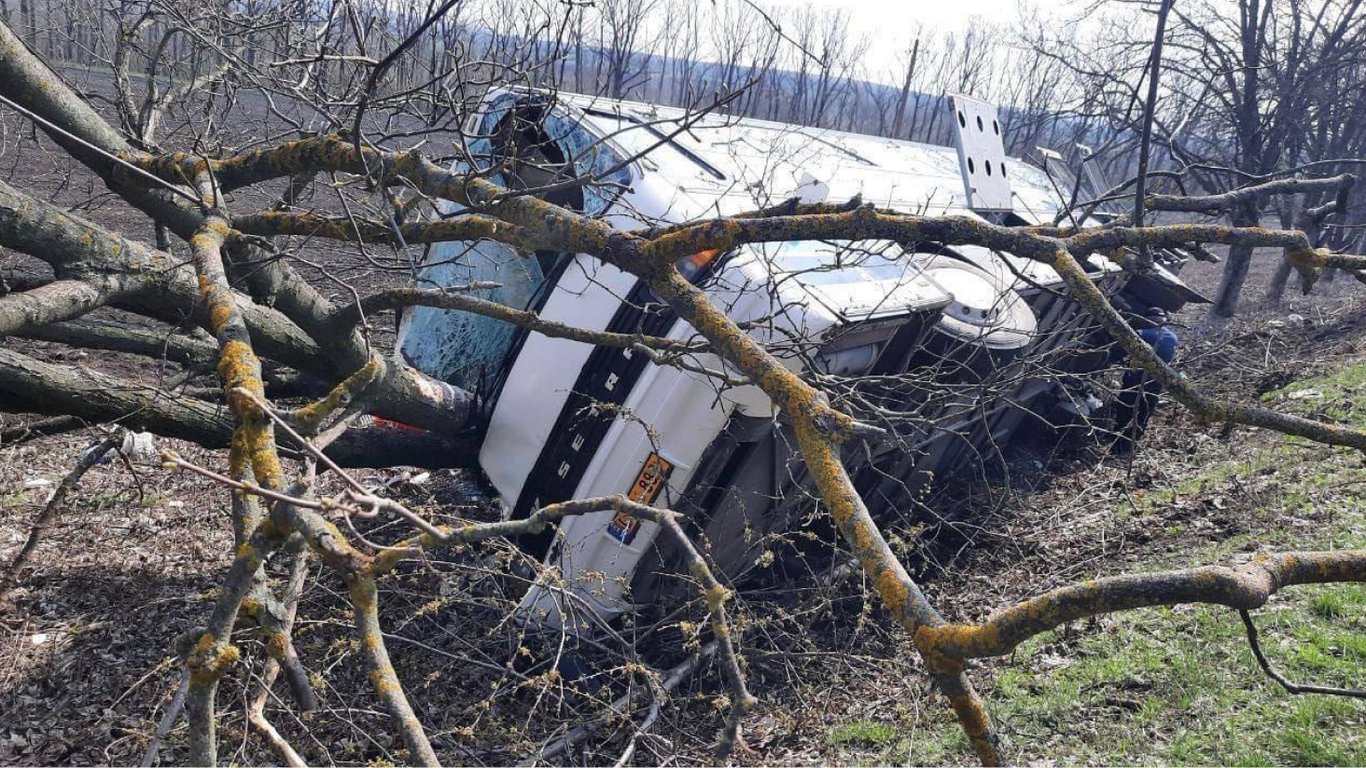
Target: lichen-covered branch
(309, 224)
(238, 365)
(59, 300)
(253, 449)
(396, 298)
(1244, 587)
(365, 602)
(256, 714)
(214, 653)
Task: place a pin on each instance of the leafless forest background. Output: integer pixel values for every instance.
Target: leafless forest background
(1249, 90)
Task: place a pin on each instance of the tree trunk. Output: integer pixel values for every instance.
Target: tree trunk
(1235, 269)
(1276, 290)
(905, 94)
(34, 386)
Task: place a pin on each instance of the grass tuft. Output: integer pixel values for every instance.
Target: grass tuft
(862, 733)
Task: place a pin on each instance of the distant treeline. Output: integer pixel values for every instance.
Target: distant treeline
(807, 67)
(1245, 92)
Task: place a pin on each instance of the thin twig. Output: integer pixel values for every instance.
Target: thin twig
(173, 460)
(1294, 688)
(675, 677)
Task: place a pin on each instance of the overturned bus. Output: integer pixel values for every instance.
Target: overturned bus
(932, 342)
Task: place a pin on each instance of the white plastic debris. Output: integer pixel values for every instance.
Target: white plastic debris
(37, 482)
(1304, 394)
(141, 448)
(812, 190)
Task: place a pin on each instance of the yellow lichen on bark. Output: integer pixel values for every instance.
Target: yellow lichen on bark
(310, 417)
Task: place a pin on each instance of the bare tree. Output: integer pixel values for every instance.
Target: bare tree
(626, 53)
(1243, 95)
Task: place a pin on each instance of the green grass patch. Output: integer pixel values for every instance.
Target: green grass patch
(868, 742)
(862, 733)
(1336, 396)
(14, 499)
(1180, 685)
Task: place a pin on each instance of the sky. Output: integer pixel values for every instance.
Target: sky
(888, 24)
(881, 16)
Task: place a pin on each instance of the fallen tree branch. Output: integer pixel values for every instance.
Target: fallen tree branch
(397, 298)
(79, 395)
(61, 300)
(33, 430)
(55, 505)
(364, 600)
(1243, 587)
(168, 720)
(308, 224)
(191, 350)
(256, 713)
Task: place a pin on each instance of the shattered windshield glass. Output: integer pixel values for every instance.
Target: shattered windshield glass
(466, 349)
(462, 348)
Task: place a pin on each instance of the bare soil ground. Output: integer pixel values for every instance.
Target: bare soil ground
(85, 666)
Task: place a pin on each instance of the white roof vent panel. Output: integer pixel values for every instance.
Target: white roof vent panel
(981, 154)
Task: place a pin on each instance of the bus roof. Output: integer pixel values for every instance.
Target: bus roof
(723, 164)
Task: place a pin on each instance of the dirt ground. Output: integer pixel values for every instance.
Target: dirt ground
(86, 670)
